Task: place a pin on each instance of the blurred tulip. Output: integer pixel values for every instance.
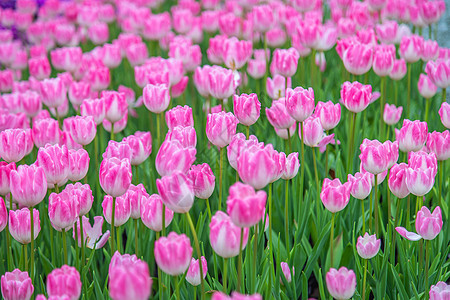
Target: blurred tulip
(64, 282)
(16, 285)
(392, 114)
(20, 225)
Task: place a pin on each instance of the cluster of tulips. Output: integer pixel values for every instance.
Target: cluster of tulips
(155, 111)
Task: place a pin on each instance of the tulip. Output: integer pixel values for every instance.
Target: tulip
(63, 210)
(439, 144)
(397, 180)
(220, 127)
(278, 114)
(439, 73)
(82, 194)
(20, 225)
(172, 156)
(411, 48)
(116, 105)
(358, 58)
(236, 53)
(39, 67)
(412, 135)
(341, 283)
(387, 31)
(193, 273)
(78, 164)
(444, 113)
(201, 80)
(235, 296)
(361, 185)
(64, 281)
(398, 70)
(94, 108)
(176, 191)
(236, 146)
(99, 77)
(300, 103)
(156, 97)
(428, 225)
(221, 82)
(16, 285)
(356, 96)
(129, 278)
(440, 291)
(54, 160)
(15, 144)
(151, 212)
(23, 192)
(179, 116)
(5, 175)
(82, 129)
(173, 253)
(426, 87)
(334, 195)
(290, 168)
(420, 181)
(430, 50)
(284, 134)
(383, 60)
(284, 62)
(256, 166)
(122, 209)
(141, 146)
(31, 103)
(93, 237)
(78, 91)
(256, 68)
(115, 176)
(392, 114)
(245, 206)
(186, 136)
(53, 92)
(423, 160)
(225, 236)
(276, 88)
(329, 114)
(203, 180)
(247, 108)
(368, 246)
(374, 156)
(120, 150)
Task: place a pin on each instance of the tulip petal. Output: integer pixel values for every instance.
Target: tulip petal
(407, 234)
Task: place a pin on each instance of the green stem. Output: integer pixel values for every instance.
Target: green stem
(376, 204)
(395, 92)
(64, 246)
(441, 179)
(331, 240)
(158, 130)
(427, 263)
(444, 95)
(302, 168)
(363, 217)
(350, 145)
(313, 55)
(83, 259)
(119, 240)
(408, 98)
(427, 108)
(247, 131)
(197, 247)
(209, 209)
(25, 255)
(286, 218)
(408, 213)
(32, 245)
(255, 253)
(112, 237)
(8, 248)
(270, 239)
(382, 98)
(177, 287)
(370, 211)
(316, 176)
(163, 229)
(289, 140)
(136, 244)
(220, 176)
(160, 291)
(112, 131)
(364, 280)
(239, 287)
(224, 275)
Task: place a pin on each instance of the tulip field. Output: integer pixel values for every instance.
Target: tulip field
(224, 149)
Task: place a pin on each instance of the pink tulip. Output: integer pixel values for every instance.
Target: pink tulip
(111, 55)
(334, 195)
(224, 236)
(54, 160)
(39, 67)
(53, 92)
(356, 96)
(172, 156)
(245, 206)
(287, 271)
(64, 281)
(140, 145)
(430, 50)
(422, 160)
(329, 114)
(383, 60)
(135, 194)
(439, 291)
(129, 278)
(82, 194)
(420, 181)
(341, 283)
(392, 114)
(186, 136)
(276, 88)
(398, 70)
(283, 133)
(15, 144)
(120, 150)
(220, 128)
(387, 32)
(151, 212)
(290, 168)
(358, 58)
(263, 18)
(156, 97)
(300, 103)
(3, 214)
(278, 115)
(439, 144)
(284, 62)
(78, 164)
(94, 108)
(361, 185)
(98, 77)
(256, 166)
(246, 108)
(118, 126)
(63, 210)
(426, 87)
(122, 209)
(98, 33)
(17, 285)
(374, 156)
(6, 80)
(439, 72)
(115, 176)
(136, 53)
(173, 253)
(444, 113)
(193, 273)
(236, 53)
(78, 92)
(23, 192)
(397, 180)
(256, 68)
(176, 191)
(66, 58)
(116, 105)
(179, 116)
(411, 48)
(203, 180)
(428, 225)
(5, 175)
(31, 103)
(221, 82)
(313, 133)
(368, 246)
(93, 236)
(235, 296)
(20, 225)
(230, 24)
(157, 26)
(412, 135)
(236, 146)
(82, 129)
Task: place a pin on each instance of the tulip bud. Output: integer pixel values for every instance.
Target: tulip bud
(173, 253)
(193, 273)
(151, 212)
(20, 225)
(341, 283)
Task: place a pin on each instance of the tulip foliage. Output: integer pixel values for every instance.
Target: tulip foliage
(229, 149)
